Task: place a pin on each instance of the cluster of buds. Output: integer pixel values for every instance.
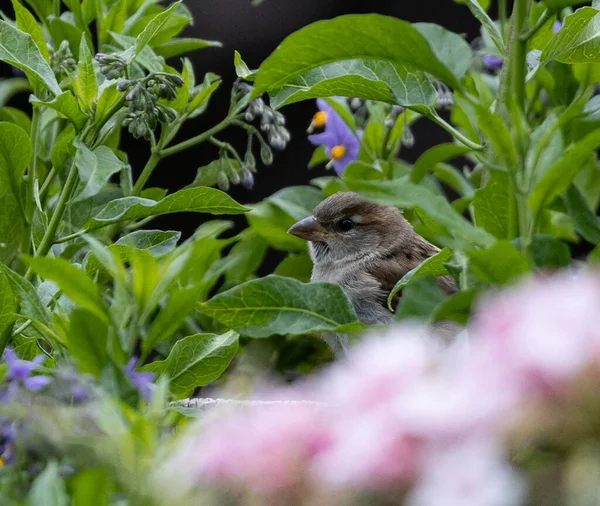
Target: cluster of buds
(142, 97)
(232, 172)
(111, 65)
(62, 60)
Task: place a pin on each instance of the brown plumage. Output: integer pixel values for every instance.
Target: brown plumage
(365, 247)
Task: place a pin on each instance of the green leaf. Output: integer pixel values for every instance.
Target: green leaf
(578, 41)
(95, 169)
(67, 107)
(63, 29)
(91, 487)
(203, 93)
(198, 200)
(196, 360)
(296, 265)
(560, 176)
(318, 157)
(485, 4)
(153, 28)
(19, 49)
(557, 5)
(16, 116)
(155, 242)
(29, 300)
(8, 308)
(364, 36)
(241, 69)
(548, 251)
(491, 205)
(405, 195)
(430, 158)
(15, 153)
(277, 305)
(86, 84)
(490, 27)
(297, 201)
(456, 307)
(586, 223)
(11, 87)
(28, 24)
(433, 266)
(272, 223)
(42, 8)
(72, 281)
(177, 47)
(498, 264)
(87, 340)
(108, 97)
(48, 489)
(245, 257)
(419, 299)
(368, 78)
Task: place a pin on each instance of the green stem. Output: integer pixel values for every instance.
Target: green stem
(546, 15)
(33, 171)
(146, 173)
(513, 218)
(502, 14)
(57, 216)
(197, 139)
(517, 56)
(48, 181)
(455, 133)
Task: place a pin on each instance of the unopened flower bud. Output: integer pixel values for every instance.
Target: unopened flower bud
(222, 181)
(249, 160)
(247, 178)
(408, 138)
(124, 84)
(266, 154)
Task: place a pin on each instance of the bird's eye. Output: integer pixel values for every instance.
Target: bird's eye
(346, 224)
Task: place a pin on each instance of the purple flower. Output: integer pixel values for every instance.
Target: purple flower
(558, 24)
(492, 62)
(340, 141)
(19, 371)
(141, 380)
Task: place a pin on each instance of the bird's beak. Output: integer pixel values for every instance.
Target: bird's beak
(308, 229)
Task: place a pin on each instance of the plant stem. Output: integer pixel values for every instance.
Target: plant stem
(57, 216)
(48, 181)
(146, 173)
(455, 133)
(546, 15)
(502, 12)
(198, 139)
(517, 62)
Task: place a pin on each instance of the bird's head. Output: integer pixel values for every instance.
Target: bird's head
(346, 226)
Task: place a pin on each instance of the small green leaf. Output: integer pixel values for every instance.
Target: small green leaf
(86, 84)
(277, 305)
(456, 307)
(203, 93)
(318, 157)
(72, 281)
(8, 308)
(272, 223)
(95, 169)
(15, 153)
(11, 87)
(177, 47)
(490, 27)
(245, 257)
(430, 158)
(156, 242)
(29, 300)
(19, 49)
(28, 24)
(196, 360)
(241, 69)
(16, 116)
(419, 299)
(87, 340)
(48, 489)
(586, 223)
(297, 201)
(578, 41)
(67, 107)
(491, 205)
(42, 8)
(199, 200)
(548, 251)
(433, 266)
(153, 28)
(499, 264)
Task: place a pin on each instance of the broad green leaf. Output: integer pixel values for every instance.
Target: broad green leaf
(368, 36)
(174, 25)
(489, 26)
(177, 47)
(491, 205)
(430, 158)
(19, 49)
(557, 5)
(241, 69)
(456, 307)
(16, 116)
(156, 242)
(384, 81)
(245, 257)
(153, 28)
(95, 169)
(406, 195)
(419, 299)
(67, 107)
(559, 177)
(296, 265)
(578, 41)
(72, 281)
(196, 360)
(114, 21)
(15, 153)
(277, 305)
(42, 8)
(433, 266)
(8, 308)
(548, 251)
(199, 200)
(584, 219)
(87, 340)
(29, 300)
(64, 148)
(272, 223)
(297, 201)
(86, 84)
(28, 24)
(499, 264)
(48, 489)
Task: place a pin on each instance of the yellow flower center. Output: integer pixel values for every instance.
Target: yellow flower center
(338, 152)
(320, 119)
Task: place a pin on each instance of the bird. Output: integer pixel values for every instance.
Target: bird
(365, 247)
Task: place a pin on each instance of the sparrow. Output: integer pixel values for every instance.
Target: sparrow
(366, 248)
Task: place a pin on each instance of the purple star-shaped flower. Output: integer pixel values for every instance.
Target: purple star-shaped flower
(19, 371)
(340, 142)
(492, 62)
(141, 380)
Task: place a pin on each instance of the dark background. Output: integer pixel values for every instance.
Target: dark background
(255, 31)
